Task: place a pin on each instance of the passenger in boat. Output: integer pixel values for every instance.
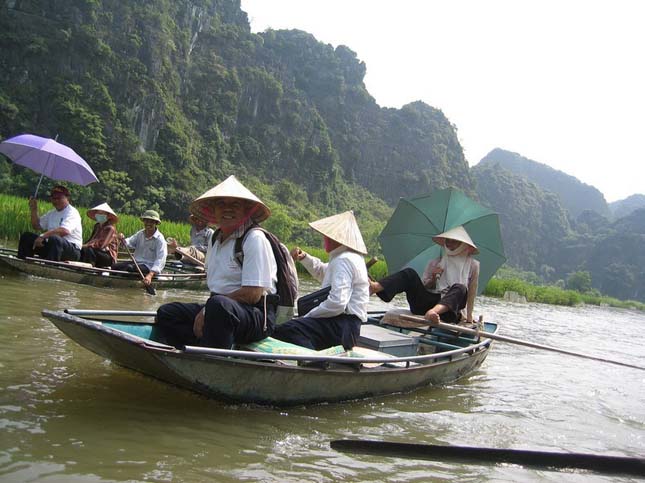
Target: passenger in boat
(200, 233)
(337, 320)
(102, 248)
(61, 230)
(149, 247)
(242, 306)
(449, 282)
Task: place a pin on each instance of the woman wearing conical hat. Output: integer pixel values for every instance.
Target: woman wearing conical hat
(243, 303)
(102, 247)
(337, 320)
(448, 285)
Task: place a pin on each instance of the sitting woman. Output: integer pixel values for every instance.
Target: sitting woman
(102, 247)
(449, 281)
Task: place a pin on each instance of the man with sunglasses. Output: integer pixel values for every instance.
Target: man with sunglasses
(61, 230)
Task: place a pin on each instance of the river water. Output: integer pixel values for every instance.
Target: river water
(67, 415)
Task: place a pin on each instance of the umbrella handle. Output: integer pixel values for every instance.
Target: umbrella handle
(38, 186)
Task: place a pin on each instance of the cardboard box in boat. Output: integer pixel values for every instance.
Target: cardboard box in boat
(388, 341)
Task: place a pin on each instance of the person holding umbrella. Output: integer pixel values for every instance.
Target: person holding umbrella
(102, 248)
(449, 283)
(150, 249)
(61, 230)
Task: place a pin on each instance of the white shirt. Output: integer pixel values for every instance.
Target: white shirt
(150, 251)
(200, 238)
(224, 274)
(67, 218)
(347, 275)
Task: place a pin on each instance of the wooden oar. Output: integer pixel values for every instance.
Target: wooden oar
(181, 251)
(149, 288)
(368, 265)
(468, 454)
(415, 319)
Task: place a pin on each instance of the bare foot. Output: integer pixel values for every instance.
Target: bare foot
(375, 287)
(432, 316)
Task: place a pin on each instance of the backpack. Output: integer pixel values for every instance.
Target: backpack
(287, 284)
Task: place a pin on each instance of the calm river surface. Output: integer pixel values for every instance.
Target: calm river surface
(67, 415)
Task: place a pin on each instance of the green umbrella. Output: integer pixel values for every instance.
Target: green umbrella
(406, 240)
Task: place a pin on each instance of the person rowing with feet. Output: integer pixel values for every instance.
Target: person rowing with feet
(449, 282)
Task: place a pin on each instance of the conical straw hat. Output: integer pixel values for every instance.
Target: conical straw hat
(460, 234)
(91, 213)
(342, 228)
(229, 188)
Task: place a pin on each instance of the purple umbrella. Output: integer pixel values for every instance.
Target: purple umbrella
(49, 158)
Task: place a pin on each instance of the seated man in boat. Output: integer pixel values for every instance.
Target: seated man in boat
(448, 285)
(149, 247)
(337, 320)
(242, 306)
(200, 234)
(61, 230)
(103, 246)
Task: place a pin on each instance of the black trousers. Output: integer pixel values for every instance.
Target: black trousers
(131, 267)
(419, 299)
(55, 248)
(319, 333)
(98, 258)
(226, 322)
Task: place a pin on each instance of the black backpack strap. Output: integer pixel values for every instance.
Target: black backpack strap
(238, 250)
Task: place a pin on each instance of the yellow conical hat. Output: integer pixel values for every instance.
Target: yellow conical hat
(229, 188)
(342, 228)
(460, 234)
(91, 213)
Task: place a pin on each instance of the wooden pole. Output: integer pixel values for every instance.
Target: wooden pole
(510, 340)
(468, 454)
(149, 288)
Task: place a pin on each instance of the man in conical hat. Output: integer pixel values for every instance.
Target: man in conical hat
(448, 285)
(102, 248)
(242, 306)
(337, 320)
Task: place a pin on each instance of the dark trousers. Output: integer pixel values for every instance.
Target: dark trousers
(226, 322)
(131, 267)
(419, 299)
(319, 334)
(54, 248)
(98, 258)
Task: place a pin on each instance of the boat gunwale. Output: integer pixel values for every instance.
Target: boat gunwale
(422, 361)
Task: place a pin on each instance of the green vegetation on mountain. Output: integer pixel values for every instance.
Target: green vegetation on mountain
(625, 207)
(574, 195)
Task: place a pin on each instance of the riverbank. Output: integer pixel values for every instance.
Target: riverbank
(14, 219)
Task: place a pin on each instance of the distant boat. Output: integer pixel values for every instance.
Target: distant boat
(174, 276)
(270, 374)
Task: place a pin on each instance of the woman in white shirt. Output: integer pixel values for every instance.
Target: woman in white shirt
(449, 282)
(337, 320)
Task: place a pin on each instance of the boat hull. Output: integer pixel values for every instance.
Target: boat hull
(255, 381)
(98, 277)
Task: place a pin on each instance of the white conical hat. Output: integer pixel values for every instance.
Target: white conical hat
(342, 228)
(460, 234)
(91, 213)
(229, 188)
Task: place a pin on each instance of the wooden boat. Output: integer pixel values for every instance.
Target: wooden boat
(174, 275)
(279, 377)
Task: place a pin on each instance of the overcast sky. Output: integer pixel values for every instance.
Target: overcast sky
(561, 82)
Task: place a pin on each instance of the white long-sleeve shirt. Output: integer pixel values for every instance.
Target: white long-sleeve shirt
(150, 251)
(347, 275)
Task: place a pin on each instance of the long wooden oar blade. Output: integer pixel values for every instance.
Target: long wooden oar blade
(421, 321)
(149, 288)
(467, 454)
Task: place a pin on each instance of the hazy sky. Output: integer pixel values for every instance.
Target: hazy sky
(560, 82)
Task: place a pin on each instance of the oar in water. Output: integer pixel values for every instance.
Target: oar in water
(467, 454)
(441, 325)
(149, 288)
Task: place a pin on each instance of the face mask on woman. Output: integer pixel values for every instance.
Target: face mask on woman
(100, 218)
